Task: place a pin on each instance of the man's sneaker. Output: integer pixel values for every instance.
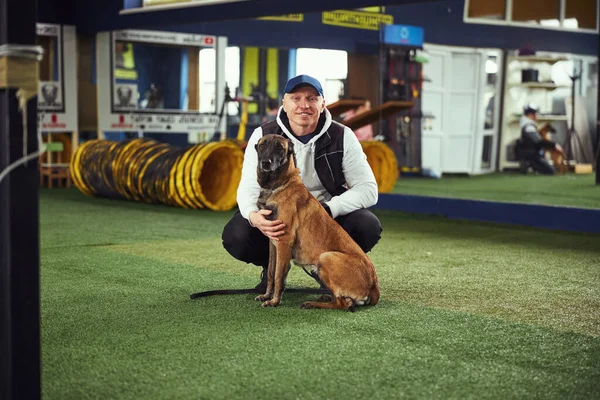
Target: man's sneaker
(262, 286)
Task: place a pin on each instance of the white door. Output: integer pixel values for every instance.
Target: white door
(432, 106)
(451, 97)
(462, 111)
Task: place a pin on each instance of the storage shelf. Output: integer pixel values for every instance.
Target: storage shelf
(549, 60)
(540, 85)
(542, 118)
(343, 105)
(552, 117)
(382, 111)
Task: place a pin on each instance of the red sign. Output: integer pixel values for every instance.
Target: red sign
(121, 124)
(54, 124)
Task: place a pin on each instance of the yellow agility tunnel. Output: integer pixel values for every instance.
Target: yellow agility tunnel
(201, 176)
(383, 162)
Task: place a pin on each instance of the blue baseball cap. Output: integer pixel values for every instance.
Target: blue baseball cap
(303, 80)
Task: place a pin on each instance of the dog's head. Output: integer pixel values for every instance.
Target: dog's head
(275, 156)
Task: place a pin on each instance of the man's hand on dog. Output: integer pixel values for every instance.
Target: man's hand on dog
(271, 229)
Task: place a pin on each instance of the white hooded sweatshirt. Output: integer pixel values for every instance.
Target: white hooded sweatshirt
(362, 187)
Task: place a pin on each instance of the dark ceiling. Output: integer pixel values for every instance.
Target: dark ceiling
(102, 15)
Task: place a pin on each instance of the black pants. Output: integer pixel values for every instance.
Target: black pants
(248, 244)
(541, 165)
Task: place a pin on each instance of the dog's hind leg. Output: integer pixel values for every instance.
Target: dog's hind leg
(329, 301)
(348, 290)
(344, 303)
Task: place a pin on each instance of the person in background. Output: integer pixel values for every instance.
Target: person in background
(531, 146)
(333, 167)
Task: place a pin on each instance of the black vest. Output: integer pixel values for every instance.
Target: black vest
(527, 147)
(329, 154)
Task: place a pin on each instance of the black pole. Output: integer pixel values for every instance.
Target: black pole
(598, 131)
(263, 96)
(573, 81)
(19, 225)
(501, 108)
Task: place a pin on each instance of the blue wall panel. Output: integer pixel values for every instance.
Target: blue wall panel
(538, 216)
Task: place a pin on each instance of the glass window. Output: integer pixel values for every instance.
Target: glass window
(543, 12)
(331, 74)
(489, 94)
(580, 14)
(208, 78)
(486, 153)
(49, 68)
(570, 14)
(232, 76)
(488, 9)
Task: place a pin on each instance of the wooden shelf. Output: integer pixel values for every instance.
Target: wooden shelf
(382, 111)
(343, 105)
(542, 118)
(549, 60)
(552, 117)
(540, 85)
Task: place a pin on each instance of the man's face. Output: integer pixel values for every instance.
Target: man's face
(303, 107)
(533, 116)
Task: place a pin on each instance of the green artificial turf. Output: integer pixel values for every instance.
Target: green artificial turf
(558, 190)
(468, 310)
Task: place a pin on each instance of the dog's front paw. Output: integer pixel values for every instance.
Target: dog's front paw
(270, 303)
(263, 297)
(308, 304)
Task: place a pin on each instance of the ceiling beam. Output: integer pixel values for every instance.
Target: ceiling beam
(206, 13)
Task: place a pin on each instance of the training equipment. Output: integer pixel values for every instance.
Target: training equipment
(201, 176)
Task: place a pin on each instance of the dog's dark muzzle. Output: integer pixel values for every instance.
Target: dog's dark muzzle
(266, 165)
(269, 165)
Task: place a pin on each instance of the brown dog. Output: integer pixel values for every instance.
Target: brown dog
(312, 238)
(559, 160)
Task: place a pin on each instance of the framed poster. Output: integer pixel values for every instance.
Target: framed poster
(57, 88)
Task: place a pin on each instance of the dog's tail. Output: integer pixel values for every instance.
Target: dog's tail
(374, 294)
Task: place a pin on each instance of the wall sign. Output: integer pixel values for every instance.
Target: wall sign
(356, 19)
(403, 35)
(286, 17)
(162, 123)
(184, 39)
(150, 3)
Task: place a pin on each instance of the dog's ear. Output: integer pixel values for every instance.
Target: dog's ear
(291, 153)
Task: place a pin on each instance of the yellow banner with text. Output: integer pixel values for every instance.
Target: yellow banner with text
(357, 19)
